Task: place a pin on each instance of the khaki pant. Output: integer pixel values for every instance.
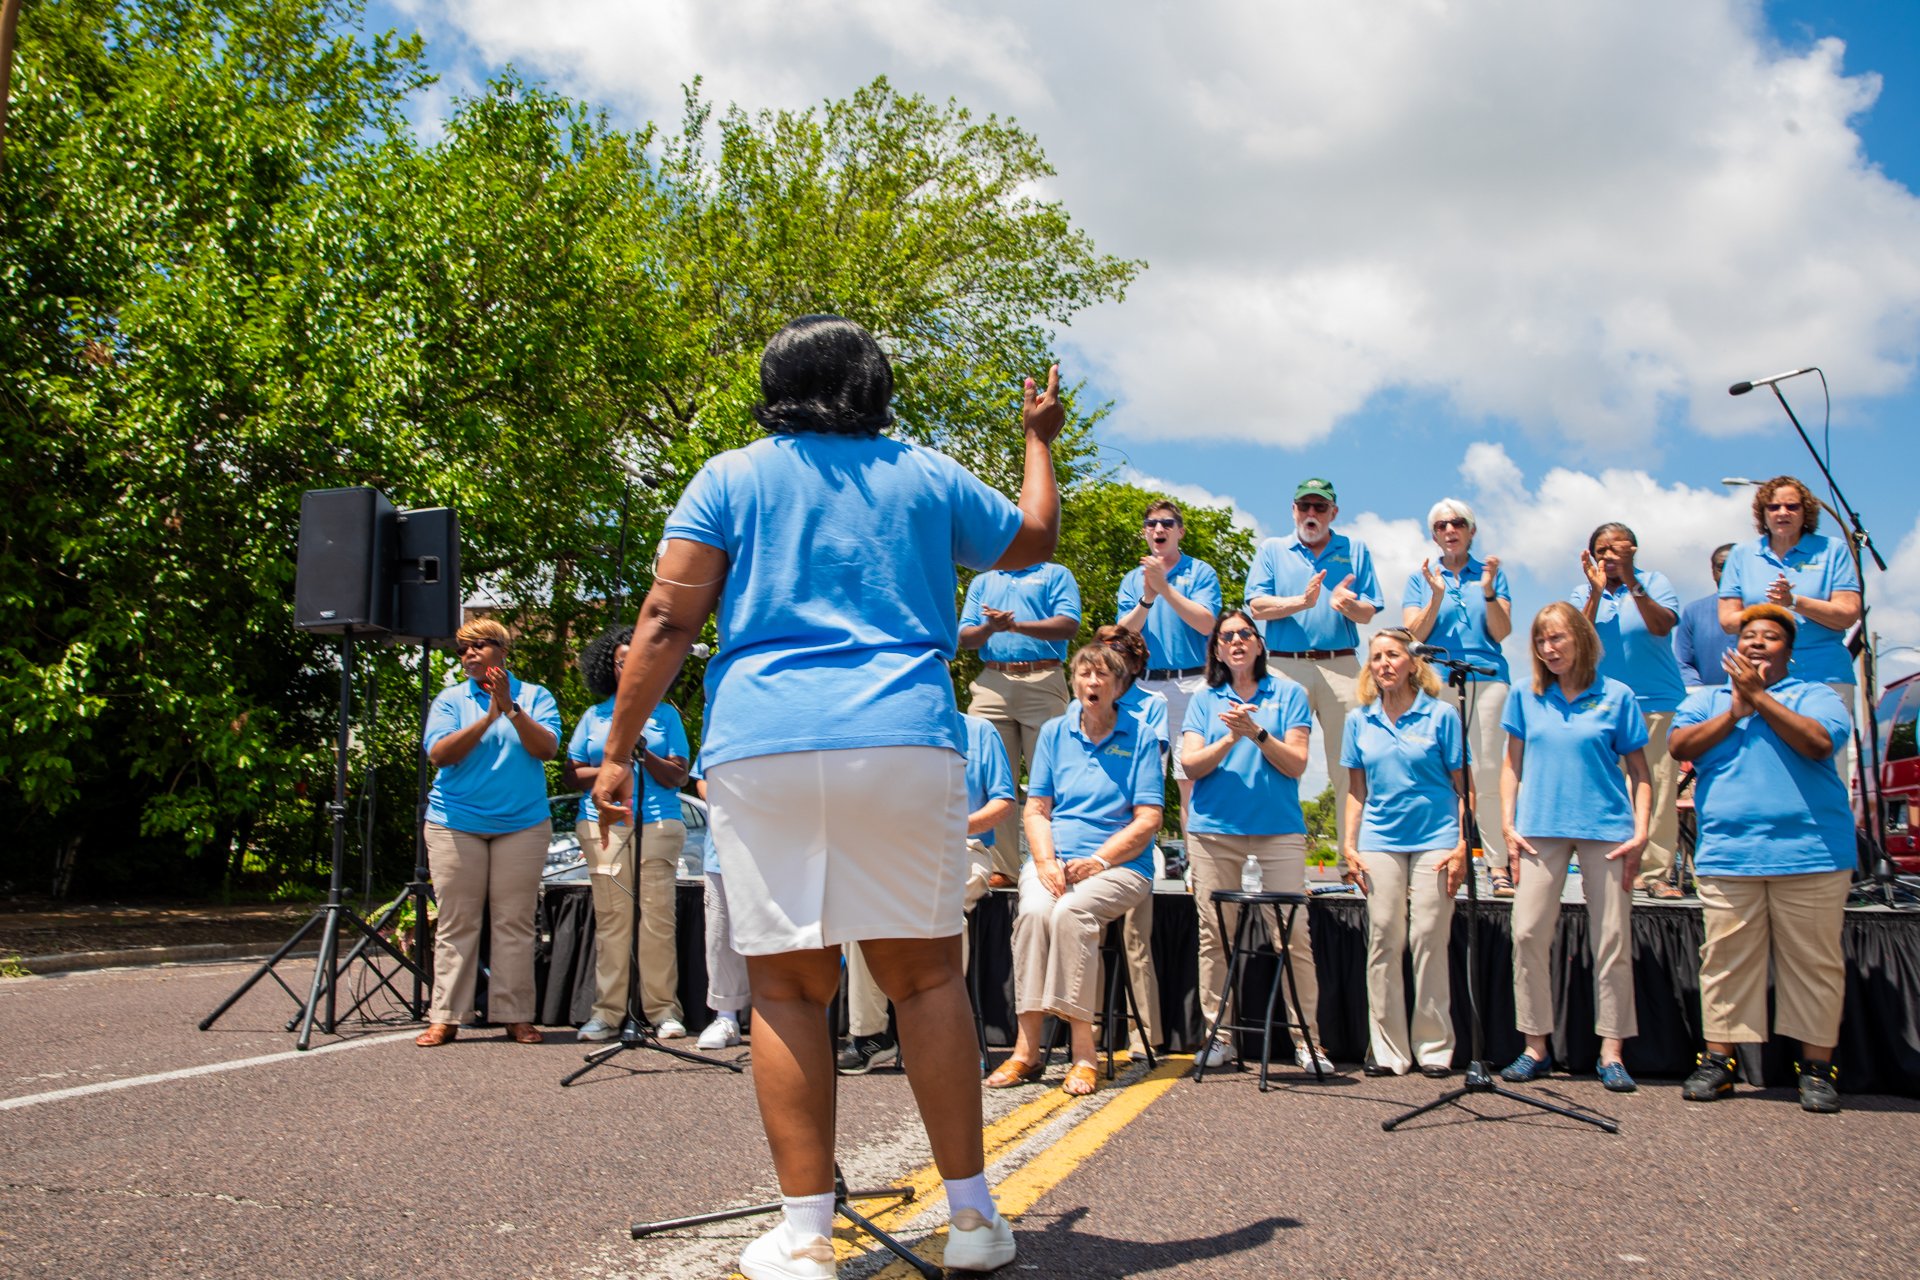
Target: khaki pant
(1137, 934)
(1216, 862)
(726, 968)
(610, 870)
(1056, 941)
(1663, 834)
(1486, 747)
(1536, 909)
(866, 1003)
(1016, 706)
(470, 874)
(1330, 693)
(1793, 920)
(1403, 884)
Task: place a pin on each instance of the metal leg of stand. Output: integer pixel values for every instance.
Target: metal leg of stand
(1293, 986)
(1230, 996)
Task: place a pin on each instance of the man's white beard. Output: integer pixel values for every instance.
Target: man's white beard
(1310, 530)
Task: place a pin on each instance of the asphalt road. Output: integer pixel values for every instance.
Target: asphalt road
(378, 1159)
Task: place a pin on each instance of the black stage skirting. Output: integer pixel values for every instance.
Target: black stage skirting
(1879, 1033)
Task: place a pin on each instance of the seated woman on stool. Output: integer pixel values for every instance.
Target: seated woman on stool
(1774, 859)
(1563, 796)
(1093, 807)
(1405, 841)
(1244, 744)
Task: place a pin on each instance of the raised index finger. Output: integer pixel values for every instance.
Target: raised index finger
(1053, 382)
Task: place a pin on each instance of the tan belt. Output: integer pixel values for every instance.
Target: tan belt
(1028, 668)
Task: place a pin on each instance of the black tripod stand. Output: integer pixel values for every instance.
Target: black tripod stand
(636, 1029)
(335, 915)
(1479, 1076)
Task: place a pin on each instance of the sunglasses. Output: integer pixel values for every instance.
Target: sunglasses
(1783, 506)
(1162, 522)
(1450, 524)
(1313, 506)
(1239, 633)
(464, 649)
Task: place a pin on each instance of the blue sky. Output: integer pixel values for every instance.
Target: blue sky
(1513, 253)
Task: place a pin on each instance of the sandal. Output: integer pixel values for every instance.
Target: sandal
(1662, 891)
(1081, 1080)
(1502, 881)
(1013, 1072)
(524, 1033)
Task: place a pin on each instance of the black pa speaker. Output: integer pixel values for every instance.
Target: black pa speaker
(342, 580)
(426, 575)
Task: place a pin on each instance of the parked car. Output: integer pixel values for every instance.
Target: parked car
(1899, 713)
(566, 865)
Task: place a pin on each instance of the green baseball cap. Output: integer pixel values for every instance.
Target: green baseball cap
(1316, 488)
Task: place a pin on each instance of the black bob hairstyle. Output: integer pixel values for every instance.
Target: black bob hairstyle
(596, 661)
(826, 374)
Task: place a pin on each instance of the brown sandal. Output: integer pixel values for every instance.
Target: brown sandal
(1013, 1072)
(524, 1033)
(1081, 1081)
(1501, 881)
(436, 1035)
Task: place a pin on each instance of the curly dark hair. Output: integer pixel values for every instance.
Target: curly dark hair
(825, 374)
(596, 661)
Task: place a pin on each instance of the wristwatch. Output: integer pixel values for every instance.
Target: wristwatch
(513, 709)
(1264, 735)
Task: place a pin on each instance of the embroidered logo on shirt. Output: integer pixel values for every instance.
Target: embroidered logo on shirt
(1117, 751)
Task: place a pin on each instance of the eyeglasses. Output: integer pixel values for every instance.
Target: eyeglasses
(1783, 506)
(1450, 524)
(1161, 522)
(464, 649)
(1315, 506)
(1239, 633)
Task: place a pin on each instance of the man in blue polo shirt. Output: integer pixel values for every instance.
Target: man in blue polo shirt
(1313, 592)
(1021, 622)
(1171, 600)
(1699, 640)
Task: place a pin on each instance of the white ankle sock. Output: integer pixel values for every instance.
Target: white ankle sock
(809, 1216)
(970, 1193)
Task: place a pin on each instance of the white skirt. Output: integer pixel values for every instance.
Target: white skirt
(824, 847)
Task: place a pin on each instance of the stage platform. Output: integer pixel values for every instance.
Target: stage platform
(1879, 1036)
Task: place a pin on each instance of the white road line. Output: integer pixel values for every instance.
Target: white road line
(184, 1073)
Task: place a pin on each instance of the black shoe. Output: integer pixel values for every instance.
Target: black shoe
(1711, 1080)
(1816, 1087)
(1435, 1070)
(1375, 1070)
(865, 1053)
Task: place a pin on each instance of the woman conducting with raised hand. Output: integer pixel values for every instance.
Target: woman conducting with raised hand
(1244, 744)
(1463, 605)
(487, 829)
(833, 749)
(1093, 805)
(1405, 845)
(1563, 795)
(1775, 857)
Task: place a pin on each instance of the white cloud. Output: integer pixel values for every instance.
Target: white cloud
(1894, 601)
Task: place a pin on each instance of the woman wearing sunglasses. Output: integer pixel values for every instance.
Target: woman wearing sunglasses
(487, 830)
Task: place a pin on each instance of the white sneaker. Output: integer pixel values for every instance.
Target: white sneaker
(775, 1256)
(1306, 1063)
(977, 1243)
(1216, 1054)
(596, 1030)
(671, 1029)
(721, 1033)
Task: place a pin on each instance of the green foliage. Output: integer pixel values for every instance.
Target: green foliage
(1323, 840)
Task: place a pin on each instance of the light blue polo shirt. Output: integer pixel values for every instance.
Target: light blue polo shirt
(1144, 705)
(497, 787)
(1033, 594)
(1629, 652)
(1282, 568)
(1699, 643)
(665, 736)
(1571, 783)
(1817, 566)
(1460, 627)
(1763, 808)
(1171, 643)
(1244, 795)
(836, 617)
(989, 776)
(1411, 802)
(1095, 786)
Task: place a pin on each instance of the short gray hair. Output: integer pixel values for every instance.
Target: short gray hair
(1452, 509)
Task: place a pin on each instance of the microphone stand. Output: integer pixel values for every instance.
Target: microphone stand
(1875, 880)
(1479, 1075)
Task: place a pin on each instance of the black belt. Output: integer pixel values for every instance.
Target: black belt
(1314, 655)
(1175, 673)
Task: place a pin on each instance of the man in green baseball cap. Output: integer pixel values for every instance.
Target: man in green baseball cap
(1316, 488)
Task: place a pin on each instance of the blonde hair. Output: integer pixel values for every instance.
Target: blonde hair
(1586, 646)
(483, 629)
(1425, 679)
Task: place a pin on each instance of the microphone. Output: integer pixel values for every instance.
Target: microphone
(1434, 653)
(1741, 388)
(1419, 650)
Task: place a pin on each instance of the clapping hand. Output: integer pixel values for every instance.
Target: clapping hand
(1595, 571)
(1155, 575)
(997, 619)
(1746, 678)
(1042, 413)
(1780, 592)
(1435, 584)
(1343, 595)
(1239, 720)
(1311, 596)
(1491, 569)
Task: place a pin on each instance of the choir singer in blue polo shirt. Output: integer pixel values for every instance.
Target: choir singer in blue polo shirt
(1093, 805)
(1775, 858)
(833, 751)
(1313, 592)
(1564, 795)
(1407, 848)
